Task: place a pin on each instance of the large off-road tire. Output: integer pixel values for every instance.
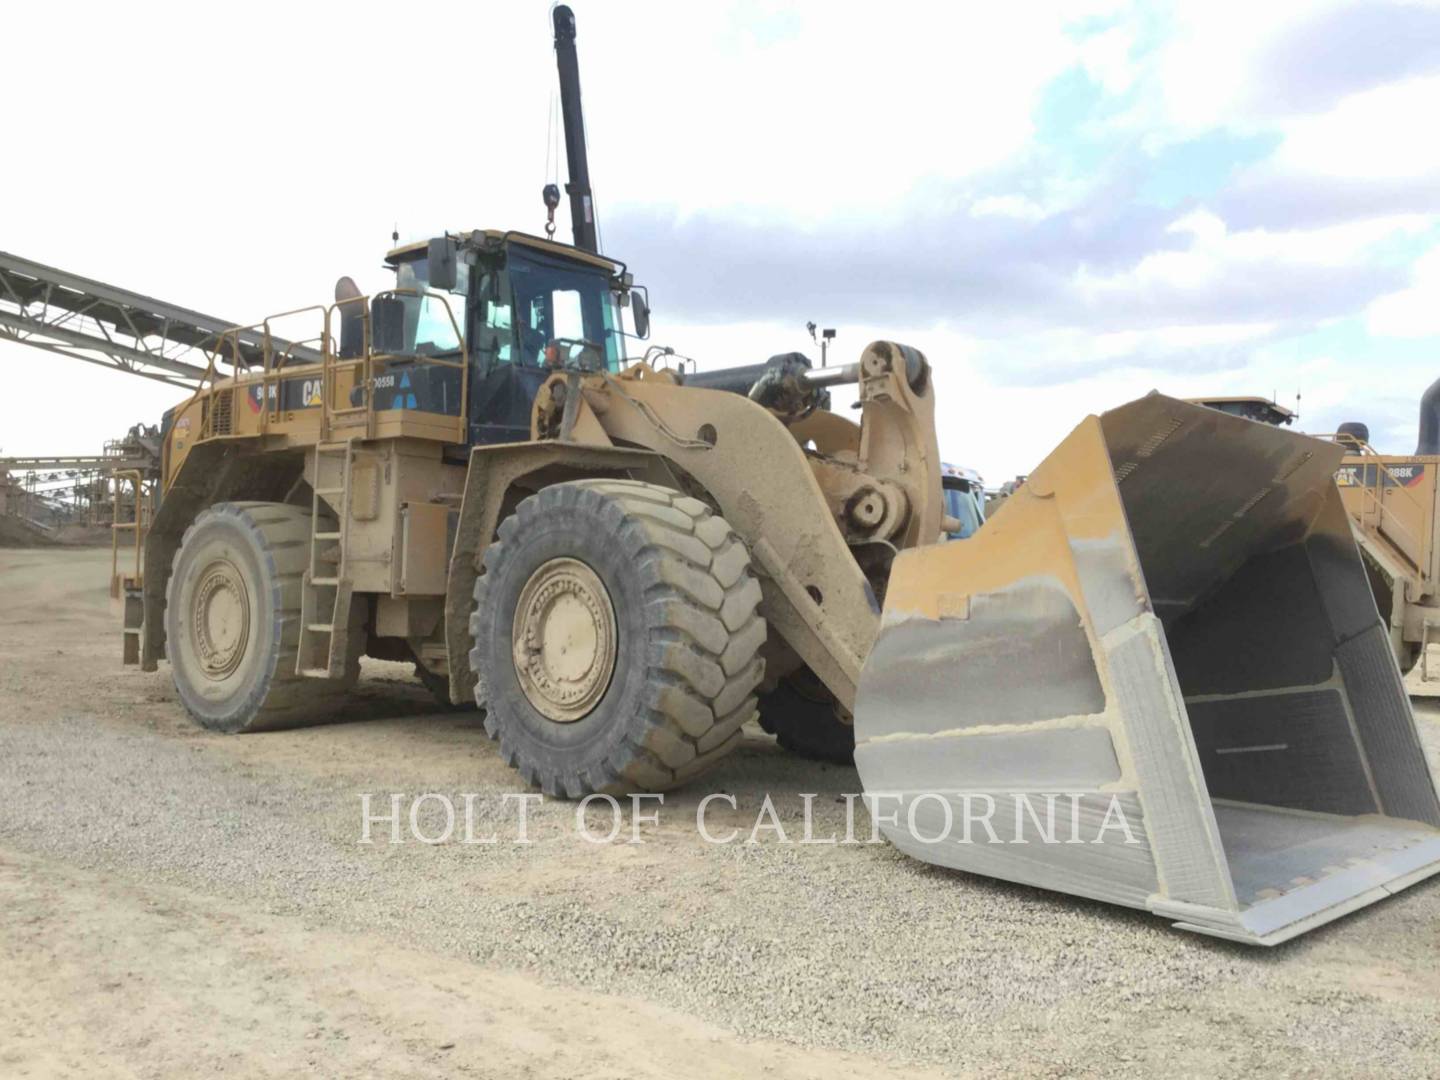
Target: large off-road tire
(806, 720)
(616, 638)
(232, 620)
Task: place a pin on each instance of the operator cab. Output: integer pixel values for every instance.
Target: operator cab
(964, 499)
(524, 306)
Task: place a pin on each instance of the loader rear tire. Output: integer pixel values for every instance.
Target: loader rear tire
(806, 720)
(616, 638)
(232, 620)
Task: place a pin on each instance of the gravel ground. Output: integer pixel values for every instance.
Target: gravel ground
(851, 948)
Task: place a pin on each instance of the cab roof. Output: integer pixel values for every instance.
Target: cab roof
(946, 469)
(496, 237)
(1263, 402)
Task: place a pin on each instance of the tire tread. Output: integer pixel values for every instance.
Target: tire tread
(703, 663)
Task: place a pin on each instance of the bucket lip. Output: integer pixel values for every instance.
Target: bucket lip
(1193, 410)
(1272, 922)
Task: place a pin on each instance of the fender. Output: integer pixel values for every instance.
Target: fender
(211, 472)
(498, 477)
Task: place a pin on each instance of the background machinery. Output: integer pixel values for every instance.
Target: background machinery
(964, 499)
(1392, 499)
(622, 564)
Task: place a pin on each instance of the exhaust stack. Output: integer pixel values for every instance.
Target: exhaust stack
(577, 163)
(1429, 442)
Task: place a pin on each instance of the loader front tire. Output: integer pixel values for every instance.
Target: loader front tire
(807, 721)
(232, 620)
(616, 638)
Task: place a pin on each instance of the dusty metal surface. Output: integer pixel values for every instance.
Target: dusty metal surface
(1392, 501)
(800, 511)
(1009, 635)
(565, 639)
(1176, 586)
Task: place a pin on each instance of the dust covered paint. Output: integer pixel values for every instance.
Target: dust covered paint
(932, 675)
(1038, 656)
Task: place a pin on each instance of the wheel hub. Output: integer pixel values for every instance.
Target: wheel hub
(564, 639)
(220, 619)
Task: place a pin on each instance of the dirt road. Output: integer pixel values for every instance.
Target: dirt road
(175, 903)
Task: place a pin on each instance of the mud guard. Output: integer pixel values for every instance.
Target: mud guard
(1165, 648)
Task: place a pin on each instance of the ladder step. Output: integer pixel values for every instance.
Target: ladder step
(330, 491)
(320, 628)
(315, 672)
(327, 536)
(325, 581)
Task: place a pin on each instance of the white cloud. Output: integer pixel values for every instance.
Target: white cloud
(240, 196)
(1368, 135)
(1169, 339)
(1207, 64)
(842, 114)
(1108, 58)
(1007, 206)
(1412, 312)
(1215, 253)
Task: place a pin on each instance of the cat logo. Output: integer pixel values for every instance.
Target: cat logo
(1394, 474)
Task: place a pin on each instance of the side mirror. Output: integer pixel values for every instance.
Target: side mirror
(640, 312)
(441, 262)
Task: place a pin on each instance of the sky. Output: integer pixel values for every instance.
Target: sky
(1064, 205)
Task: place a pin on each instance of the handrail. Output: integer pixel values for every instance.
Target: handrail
(1374, 512)
(276, 366)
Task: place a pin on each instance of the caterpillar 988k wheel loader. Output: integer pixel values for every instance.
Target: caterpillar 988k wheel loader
(1165, 630)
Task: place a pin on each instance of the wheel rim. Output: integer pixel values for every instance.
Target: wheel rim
(563, 640)
(220, 619)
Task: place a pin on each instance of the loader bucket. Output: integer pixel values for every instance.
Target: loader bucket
(1157, 678)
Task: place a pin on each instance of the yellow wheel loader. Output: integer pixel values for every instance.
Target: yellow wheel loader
(1156, 677)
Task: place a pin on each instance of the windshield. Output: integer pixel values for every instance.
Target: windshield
(962, 502)
(550, 300)
(434, 325)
